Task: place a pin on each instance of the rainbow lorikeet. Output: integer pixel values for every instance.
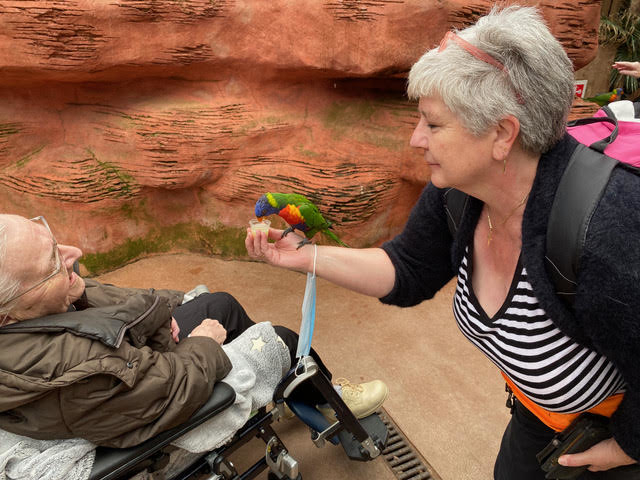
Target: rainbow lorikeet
(604, 98)
(299, 213)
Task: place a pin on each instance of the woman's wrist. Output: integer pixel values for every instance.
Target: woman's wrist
(311, 251)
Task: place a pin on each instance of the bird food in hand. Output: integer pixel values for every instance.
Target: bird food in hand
(260, 226)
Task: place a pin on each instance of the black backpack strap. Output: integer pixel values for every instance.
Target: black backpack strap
(455, 204)
(600, 145)
(577, 197)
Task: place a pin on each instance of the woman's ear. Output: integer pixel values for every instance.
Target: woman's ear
(507, 132)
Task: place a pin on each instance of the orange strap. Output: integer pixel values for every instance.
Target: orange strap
(560, 421)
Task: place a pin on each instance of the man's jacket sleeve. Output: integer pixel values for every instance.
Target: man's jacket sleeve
(142, 392)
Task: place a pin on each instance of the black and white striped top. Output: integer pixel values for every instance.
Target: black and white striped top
(547, 366)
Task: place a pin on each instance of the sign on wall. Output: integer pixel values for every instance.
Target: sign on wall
(580, 88)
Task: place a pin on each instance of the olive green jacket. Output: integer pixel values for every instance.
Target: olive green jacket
(110, 373)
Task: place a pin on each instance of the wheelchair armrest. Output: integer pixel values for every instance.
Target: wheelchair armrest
(110, 463)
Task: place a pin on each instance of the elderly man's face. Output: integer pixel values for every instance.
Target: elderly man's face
(31, 257)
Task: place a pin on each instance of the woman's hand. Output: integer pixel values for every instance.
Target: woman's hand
(212, 329)
(602, 456)
(175, 330)
(364, 270)
(283, 252)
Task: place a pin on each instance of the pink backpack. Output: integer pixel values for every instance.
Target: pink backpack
(613, 130)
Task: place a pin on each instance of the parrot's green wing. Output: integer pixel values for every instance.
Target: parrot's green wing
(293, 199)
(317, 223)
(599, 99)
(334, 237)
(604, 98)
(313, 219)
(284, 199)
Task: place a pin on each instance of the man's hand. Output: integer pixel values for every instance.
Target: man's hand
(602, 456)
(175, 330)
(212, 329)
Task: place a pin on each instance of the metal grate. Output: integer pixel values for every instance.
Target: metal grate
(402, 458)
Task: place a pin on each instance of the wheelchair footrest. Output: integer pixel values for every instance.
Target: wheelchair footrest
(312, 418)
(377, 431)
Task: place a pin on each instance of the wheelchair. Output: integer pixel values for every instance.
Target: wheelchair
(362, 440)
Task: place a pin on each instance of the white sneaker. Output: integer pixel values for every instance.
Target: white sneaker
(363, 399)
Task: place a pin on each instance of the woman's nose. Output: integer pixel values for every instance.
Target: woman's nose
(418, 137)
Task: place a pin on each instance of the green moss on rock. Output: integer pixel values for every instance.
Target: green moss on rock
(360, 120)
(307, 153)
(342, 114)
(191, 237)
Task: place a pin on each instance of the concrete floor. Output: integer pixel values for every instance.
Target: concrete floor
(445, 396)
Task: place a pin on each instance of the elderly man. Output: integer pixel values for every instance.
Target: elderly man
(114, 366)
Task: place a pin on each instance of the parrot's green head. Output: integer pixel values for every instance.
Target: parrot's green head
(265, 206)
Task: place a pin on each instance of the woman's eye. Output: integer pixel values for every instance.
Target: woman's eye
(427, 124)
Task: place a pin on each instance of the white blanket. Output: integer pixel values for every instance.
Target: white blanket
(259, 359)
(23, 458)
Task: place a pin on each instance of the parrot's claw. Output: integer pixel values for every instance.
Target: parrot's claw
(287, 232)
(303, 242)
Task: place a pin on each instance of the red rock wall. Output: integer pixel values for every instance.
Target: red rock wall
(126, 116)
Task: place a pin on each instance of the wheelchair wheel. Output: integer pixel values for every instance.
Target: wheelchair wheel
(273, 476)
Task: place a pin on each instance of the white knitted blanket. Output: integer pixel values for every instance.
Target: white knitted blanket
(23, 458)
(259, 358)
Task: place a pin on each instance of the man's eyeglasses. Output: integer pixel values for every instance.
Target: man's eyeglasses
(57, 260)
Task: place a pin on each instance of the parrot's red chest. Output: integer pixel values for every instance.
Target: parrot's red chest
(291, 215)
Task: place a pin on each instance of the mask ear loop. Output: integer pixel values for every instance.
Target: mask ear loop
(315, 257)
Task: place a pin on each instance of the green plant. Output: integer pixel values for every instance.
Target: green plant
(623, 29)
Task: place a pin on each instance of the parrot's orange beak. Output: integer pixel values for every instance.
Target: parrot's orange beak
(260, 219)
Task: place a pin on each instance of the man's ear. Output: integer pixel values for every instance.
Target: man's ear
(507, 131)
(6, 320)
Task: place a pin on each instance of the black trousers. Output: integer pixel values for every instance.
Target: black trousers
(228, 311)
(524, 437)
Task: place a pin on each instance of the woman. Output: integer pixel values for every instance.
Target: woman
(493, 102)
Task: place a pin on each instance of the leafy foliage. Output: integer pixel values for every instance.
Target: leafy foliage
(622, 29)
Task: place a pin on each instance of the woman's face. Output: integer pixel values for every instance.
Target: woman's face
(456, 157)
(32, 255)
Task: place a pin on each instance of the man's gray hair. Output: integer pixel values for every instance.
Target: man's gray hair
(8, 284)
(538, 89)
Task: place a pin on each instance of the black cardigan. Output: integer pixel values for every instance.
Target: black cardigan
(606, 312)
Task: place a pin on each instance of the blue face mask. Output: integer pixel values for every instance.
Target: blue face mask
(308, 317)
(308, 312)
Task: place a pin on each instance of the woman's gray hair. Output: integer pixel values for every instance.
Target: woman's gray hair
(9, 285)
(538, 89)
